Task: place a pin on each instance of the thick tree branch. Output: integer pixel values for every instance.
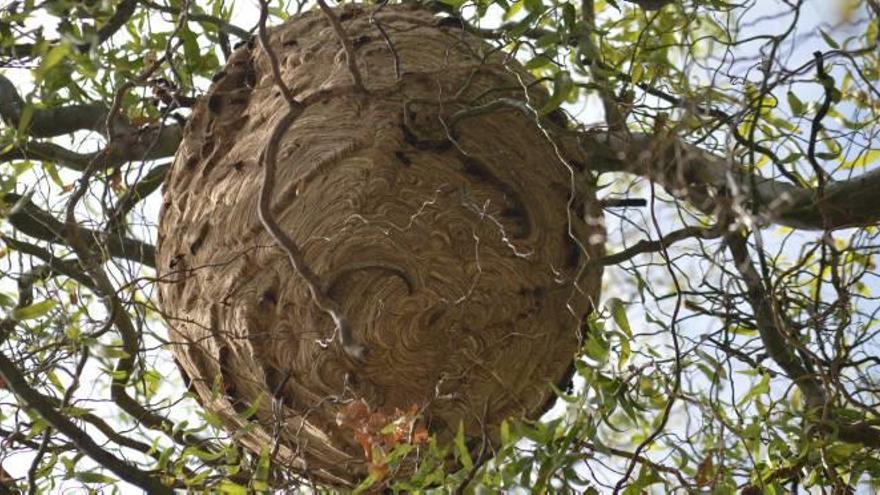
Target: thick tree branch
(780, 346)
(123, 13)
(49, 122)
(31, 398)
(143, 144)
(30, 220)
(693, 174)
(56, 266)
(148, 184)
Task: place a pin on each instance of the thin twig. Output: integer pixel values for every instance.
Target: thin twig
(645, 246)
(346, 45)
(387, 39)
(270, 160)
(83, 441)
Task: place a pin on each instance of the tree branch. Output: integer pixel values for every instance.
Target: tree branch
(775, 340)
(144, 187)
(30, 220)
(781, 348)
(143, 144)
(67, 267)
(646, 246)
(691, 173)
(269, 160)
(123, 13)
(222, 26)
(49, 122)
(83, 441)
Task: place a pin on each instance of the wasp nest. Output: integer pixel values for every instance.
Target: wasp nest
(434, 208)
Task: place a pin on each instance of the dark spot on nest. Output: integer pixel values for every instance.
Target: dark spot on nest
(558, 117)
(516, 210)
(404, 160)
(269, 297)
(275, 382)
(250, 78)
(238, 166)
(207, 147)
(218, 75)
(215, 103)
(229, 389)
(451, 21)
(361, 41)
(290, 43)
(200, 238)
(175, 260)
(423, 144)
(348, 14)
(574, 252)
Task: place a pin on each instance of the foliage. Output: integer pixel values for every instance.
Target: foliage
(736, 350)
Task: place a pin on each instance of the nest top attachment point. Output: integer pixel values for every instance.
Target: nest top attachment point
(427, 205)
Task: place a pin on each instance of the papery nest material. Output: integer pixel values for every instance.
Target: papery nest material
(434, 209)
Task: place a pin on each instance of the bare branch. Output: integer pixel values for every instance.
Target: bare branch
(144, 187)
(781, 345)
(269, 159)
(691, 173)
(150, 143)
(645, 246)
(123, 13)
(54, 265)
(49, 122)
(350, 59)
(83, 441)
(30, 220)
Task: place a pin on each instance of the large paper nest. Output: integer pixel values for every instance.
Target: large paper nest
(434, 209)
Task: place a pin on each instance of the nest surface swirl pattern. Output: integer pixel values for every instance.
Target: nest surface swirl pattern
(437, 219)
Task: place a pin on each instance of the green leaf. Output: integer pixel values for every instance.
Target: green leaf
(505, 432)
(52, 171)
(55, 55)
(828, 39)
(618, 312)
(231, 488)
(463, 454)
(562, 87)
(56, 382)
(863, 160)
(24, 120)
(262, 473)
(6, 300)
(34, 310)
(90, 477)
(761, 388)
(797, 106)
